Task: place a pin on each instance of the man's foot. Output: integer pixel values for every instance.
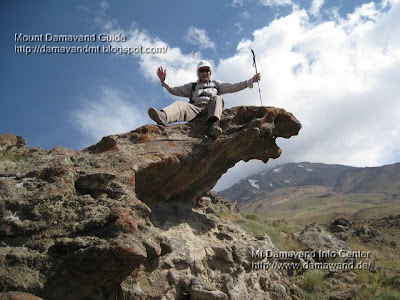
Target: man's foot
(215, 130)
(158, 116)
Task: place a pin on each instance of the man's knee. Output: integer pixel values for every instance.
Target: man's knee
(174, 107)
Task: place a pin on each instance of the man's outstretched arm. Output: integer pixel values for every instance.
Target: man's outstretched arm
(225, 88)
(182, 91)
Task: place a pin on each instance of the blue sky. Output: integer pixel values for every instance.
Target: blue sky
(334, 64)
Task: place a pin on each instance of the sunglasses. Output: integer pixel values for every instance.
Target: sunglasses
(204, 70)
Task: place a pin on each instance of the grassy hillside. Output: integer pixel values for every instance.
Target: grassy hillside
(319, 204)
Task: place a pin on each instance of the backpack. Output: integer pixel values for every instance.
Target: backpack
(194, 87)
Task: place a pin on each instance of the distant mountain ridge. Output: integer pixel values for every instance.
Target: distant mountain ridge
(385, 179)
(340, 178)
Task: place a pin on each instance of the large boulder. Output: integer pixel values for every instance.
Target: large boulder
(314, 238)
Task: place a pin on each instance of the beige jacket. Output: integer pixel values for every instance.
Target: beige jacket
(205, 90)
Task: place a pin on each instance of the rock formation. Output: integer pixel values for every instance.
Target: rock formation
(125, 218)
(315, 238)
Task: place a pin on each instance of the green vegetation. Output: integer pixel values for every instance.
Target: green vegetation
(387, 294)
(383, 258)
(253, 227)
(288, 228)
(251, 217)
(369, 282)
(366, 285)
(312, 283)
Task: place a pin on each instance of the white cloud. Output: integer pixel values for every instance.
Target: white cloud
(316, 7)
(237, 3)
(239, 27)
(273, 3)
(245, 15)
(111, 113)
(339, 78)
(104, 5)
(83, 8)
(198, 37)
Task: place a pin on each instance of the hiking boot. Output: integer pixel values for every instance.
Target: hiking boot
(158, 116)
(215, 130)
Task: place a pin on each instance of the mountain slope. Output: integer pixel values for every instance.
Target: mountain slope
(319, 192)
(342, 179)
(283, 176)
(385, 179)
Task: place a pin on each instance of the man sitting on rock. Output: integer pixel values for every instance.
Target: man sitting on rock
(204, 95)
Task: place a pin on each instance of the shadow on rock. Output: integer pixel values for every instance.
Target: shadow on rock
(165, 216)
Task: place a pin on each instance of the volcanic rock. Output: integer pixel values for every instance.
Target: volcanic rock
(120, 220)
(315, 238)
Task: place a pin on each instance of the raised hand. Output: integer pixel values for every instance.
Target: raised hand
(161, 73)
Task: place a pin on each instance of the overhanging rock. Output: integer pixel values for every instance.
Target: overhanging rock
(183, 162)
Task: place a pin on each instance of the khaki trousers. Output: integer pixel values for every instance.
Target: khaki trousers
(183, 111)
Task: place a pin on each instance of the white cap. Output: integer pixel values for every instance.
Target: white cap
(203, 63)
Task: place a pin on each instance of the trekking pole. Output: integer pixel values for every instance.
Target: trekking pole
(255, 66)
